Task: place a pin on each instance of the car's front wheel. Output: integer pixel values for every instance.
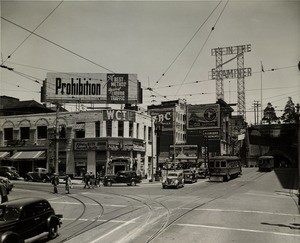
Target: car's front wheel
(133, 183)
(53, 230)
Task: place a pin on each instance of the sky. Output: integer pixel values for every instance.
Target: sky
(166, 43)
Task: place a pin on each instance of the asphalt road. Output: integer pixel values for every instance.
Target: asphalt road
(255, 207)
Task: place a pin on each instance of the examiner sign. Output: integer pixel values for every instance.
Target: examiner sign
(92, 87)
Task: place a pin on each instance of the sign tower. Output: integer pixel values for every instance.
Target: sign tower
(219, 74)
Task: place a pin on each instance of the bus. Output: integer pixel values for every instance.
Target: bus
(266, 163)
(224, 168)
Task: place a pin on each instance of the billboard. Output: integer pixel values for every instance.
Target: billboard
(164, 117)
(108, 88)
(203, 116)
(184, 151)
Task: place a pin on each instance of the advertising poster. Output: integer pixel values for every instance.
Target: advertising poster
(203, 116)
(117, 88)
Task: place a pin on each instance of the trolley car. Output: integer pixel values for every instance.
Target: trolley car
(224, 168)
(265, 163)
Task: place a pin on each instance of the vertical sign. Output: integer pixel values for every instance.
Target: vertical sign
(117, 88)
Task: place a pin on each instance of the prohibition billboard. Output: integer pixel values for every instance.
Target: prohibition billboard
(203, 116)
(112, 88)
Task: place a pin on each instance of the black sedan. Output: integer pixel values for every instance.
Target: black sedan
(39, 177)
(24, 218)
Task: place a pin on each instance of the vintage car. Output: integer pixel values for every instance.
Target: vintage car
(128, 177)
(7, 183)
(173, 179)
(9, 172)
(203, 170)
(189, 176)
(25, 218)
(36, 176)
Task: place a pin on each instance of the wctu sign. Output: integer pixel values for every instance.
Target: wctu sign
(92, 87)
(119, 115)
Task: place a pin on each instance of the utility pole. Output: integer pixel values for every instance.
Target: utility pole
(56, 139)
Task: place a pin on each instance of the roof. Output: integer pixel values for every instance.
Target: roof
(21, 202)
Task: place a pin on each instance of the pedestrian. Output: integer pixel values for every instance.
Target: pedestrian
(3, 193)
(68, 184)
(87, 180)
(92, 179)
(55, 182)
(97, 179)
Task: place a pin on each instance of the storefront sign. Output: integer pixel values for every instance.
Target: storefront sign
(139, 146)
(213, 134)
(90, 145)
(184, 151)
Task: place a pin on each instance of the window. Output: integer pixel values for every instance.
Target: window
(97, 129)
(108, 128)
(62, 131)
(145, 132)
(8, 134)
(137, 130)
(149, 134)
(80, 130)
(42, 132)
(24, 133)
(217, 164)
(120, 128)
(130, 129)
(223, 163)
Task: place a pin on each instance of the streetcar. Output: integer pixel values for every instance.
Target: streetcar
(224, 168)
(266, 163)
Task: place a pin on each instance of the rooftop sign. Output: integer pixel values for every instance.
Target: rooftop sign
(113, 88)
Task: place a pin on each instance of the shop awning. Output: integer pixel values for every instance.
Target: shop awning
(3, 154)
(29, 155)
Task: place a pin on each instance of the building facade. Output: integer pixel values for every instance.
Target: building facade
(106, 141)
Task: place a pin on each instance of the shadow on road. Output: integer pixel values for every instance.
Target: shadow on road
(288, 177)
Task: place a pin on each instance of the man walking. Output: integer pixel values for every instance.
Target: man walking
(55, 182)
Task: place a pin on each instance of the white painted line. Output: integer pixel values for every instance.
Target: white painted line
(246, 211)
(92, 204)
(115, 229)
(236, 229)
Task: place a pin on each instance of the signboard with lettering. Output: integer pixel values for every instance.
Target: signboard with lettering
(184, 151)
(119, 115)
(203, 116)
(230, 73)
(231, 50)
(92, 87)
(90, 145)
(211, 134)
(163, 117)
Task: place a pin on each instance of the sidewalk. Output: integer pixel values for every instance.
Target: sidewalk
(80, 182)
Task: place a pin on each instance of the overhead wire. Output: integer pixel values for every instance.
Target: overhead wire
(9, 56)
(58, 45)
(174, 60)
(200, 51)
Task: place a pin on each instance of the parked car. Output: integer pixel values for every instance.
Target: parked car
(189, 176)
(24, 218)
(9, 172)
(128, 177)
(8, 184)
(36, 176)
(173, 179)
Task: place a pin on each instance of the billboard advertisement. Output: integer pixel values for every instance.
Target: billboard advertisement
(164, 117)
(184, 152)
(203, 116)
(111, 88)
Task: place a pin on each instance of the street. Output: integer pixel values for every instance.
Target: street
(255, 207)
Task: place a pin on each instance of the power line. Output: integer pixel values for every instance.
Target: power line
(60, 46)
(32, 32)
(167, 69)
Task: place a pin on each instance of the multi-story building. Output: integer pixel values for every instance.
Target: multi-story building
(105, 140)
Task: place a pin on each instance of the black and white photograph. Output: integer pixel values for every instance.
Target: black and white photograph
(150, 121)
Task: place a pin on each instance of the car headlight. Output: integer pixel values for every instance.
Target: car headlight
(176, 181)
